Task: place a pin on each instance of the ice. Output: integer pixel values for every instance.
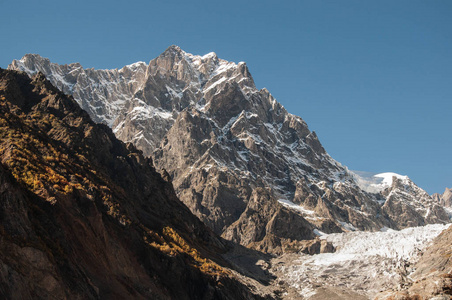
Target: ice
(386, 229)
(348, 226)
(318, 232)
(365, 262)
(390, 243)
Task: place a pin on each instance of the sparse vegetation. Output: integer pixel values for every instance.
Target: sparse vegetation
(172, 244)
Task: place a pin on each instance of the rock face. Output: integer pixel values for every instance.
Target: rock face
(85, 216)
(237, 158)
(445, 199)
(411, 205)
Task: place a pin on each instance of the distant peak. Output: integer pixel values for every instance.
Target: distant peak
(210, 55)
(28, 63)
(173, 49)
(176, 51)
(387, 176)
(32, 56)
(173, 52)
(375, 183)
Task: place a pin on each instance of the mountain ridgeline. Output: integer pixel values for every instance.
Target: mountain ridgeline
(250, 170)
(86, 216)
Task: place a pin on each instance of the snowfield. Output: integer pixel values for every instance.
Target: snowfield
(364, 262)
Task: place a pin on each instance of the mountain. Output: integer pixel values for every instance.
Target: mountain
(250, 170)
(86, 216)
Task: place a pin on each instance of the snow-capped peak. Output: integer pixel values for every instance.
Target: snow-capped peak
(209, 55)
(375, 183)
(388, 178)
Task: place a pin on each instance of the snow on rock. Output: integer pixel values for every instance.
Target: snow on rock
(291, 205)
(348, 226)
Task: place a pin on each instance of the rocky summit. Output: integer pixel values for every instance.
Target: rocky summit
(86, 216)
(250, 170)
(445, 199)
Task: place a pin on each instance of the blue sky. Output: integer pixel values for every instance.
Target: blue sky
(372, 78)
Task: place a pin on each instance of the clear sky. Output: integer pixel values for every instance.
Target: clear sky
(372, 78)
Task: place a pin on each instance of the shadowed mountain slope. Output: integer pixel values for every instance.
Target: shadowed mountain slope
(85, 216)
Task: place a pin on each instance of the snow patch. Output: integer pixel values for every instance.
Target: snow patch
(318, 232)
(148, 112)
(214, 84)
(448, 211)
(291, 205)
(348, 226)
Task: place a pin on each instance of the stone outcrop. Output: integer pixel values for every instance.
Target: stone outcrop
(444, 199)
(311, 247)
(447, 198)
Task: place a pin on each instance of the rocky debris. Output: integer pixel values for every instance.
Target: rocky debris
(84, 215)
(219, 139)
(311, 247)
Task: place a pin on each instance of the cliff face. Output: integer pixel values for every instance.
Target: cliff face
(85, 216)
